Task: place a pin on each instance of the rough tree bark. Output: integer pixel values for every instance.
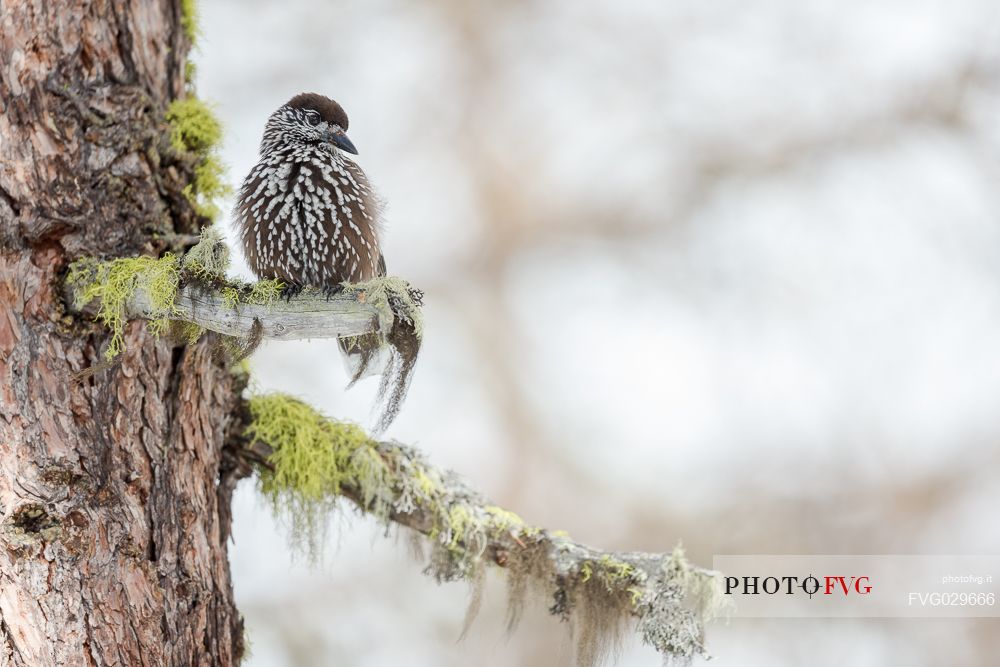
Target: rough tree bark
(114, 490)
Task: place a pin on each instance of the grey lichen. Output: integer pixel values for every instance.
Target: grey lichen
(209, 258)
(314, 460)
(395, 294)
(665, 622)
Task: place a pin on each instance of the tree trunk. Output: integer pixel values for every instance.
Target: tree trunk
(115, 489)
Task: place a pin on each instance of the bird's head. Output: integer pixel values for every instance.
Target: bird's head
(308, 118)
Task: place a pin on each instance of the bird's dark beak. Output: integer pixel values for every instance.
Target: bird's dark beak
(340, 140)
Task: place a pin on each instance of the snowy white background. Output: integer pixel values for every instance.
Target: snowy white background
(724, 273)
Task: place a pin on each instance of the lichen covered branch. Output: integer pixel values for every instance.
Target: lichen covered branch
(192, 289)
(307, 462)
(236, 310)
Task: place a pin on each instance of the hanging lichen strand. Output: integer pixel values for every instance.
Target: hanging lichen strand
(313, 460)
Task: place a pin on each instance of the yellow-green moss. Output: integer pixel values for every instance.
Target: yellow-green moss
(460, 526)
(312, 453)
(241, 369)
(209, 260)
(617, 576)
(417, 487)
(193, 126)
(501, 520)
(317, 458)
(195, 129)
(616, 570)
(531, 531)
(230, 296)
(260, 293)
(114, 282)
(314, 458)
(189, 19)
(190, 72)
(209, 185)
(373, 479)
(264, 292)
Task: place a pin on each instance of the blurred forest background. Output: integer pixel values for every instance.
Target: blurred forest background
(719, 272)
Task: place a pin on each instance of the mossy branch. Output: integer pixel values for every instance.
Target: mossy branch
(307, 462)
(170, 289)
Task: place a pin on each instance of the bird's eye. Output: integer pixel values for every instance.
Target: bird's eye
(312, 118)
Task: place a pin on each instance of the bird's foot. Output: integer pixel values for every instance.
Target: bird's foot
(288, 291)
(331, 291)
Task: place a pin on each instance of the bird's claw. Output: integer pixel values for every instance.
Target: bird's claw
(288, 291)
(331, 291)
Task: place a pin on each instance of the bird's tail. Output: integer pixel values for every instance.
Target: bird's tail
(364, 356)
(393, 357)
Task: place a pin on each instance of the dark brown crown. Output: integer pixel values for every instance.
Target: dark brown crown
(329, 110)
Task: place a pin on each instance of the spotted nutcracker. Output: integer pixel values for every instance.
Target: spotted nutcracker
(306, 212)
